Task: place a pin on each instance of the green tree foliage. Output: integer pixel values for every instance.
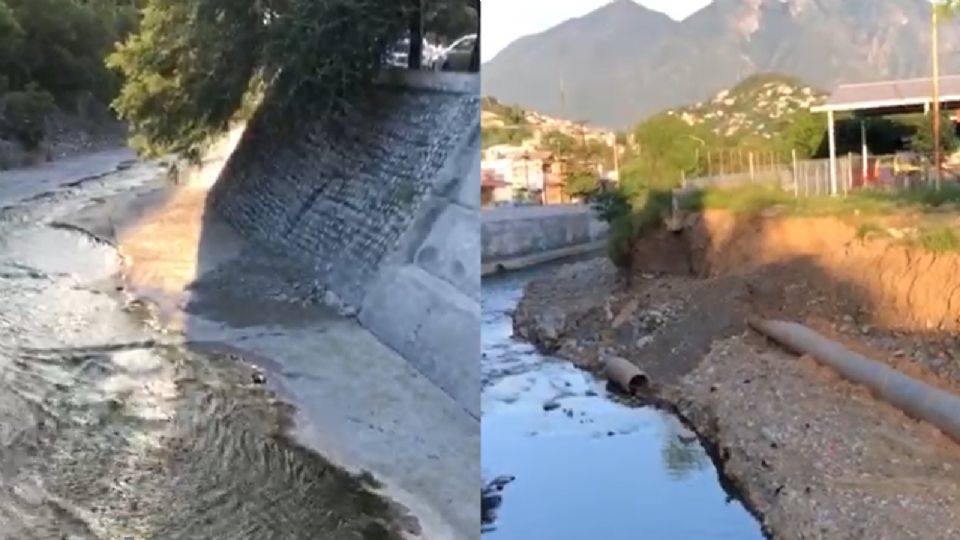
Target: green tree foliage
(805, 133)
(11, 38)
(559, 143)
(922, 140)
(511, 115)
(514, 135)
(24, 114)
(669, 147)
(54, 50)
(62, 44)
(450, 19)
(193, 63)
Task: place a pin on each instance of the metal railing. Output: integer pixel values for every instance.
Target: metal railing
(811, 177)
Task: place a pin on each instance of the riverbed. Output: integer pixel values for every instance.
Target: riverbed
(586, 465)
(112, 428)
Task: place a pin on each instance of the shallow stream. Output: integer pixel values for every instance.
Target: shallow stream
(586, 466)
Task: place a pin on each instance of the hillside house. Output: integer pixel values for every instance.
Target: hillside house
(535, 176)
(493, 188)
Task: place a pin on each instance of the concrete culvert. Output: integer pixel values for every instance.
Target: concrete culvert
(913, 397)
(625, 375)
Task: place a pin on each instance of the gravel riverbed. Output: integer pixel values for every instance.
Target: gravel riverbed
(812, 455)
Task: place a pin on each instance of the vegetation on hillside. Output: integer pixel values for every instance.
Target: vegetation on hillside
(514, 129)
(675, 144)
(51, 55)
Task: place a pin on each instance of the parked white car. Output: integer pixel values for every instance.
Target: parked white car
(399, 53)
(455, 57)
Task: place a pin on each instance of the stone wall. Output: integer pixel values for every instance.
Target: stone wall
(514, 237)
(383, 206)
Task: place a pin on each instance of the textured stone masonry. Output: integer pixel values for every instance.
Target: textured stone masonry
(380, 203)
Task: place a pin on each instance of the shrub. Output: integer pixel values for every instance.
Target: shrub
(23, 115)
(939, 239)
(628, 218)
(620, 240)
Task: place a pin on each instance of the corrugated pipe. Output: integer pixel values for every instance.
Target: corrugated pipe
(915, 398)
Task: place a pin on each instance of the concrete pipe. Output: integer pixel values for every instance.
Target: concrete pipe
(625, 375)
(915, 398)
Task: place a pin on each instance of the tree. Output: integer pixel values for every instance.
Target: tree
(922, 140)
(194, 64)
(450, 19)
(51, 53)
(62, 48)
(11, 37)
(805, 134)
(559, 143)
(670, 147)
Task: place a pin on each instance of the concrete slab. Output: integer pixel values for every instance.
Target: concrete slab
(451, 251)
(432, 324)
(365, 408)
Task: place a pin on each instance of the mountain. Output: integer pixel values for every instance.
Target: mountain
(581, 59)
(624, 62)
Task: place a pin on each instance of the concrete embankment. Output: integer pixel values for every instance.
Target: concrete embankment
(383, 207)
(812, 454)
(518, 237)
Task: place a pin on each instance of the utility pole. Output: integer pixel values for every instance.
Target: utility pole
(937, 158)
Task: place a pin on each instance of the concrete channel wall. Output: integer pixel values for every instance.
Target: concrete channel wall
(516, 237)
(384, 205)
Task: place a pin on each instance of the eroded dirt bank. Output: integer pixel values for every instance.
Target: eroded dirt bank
(814, 456)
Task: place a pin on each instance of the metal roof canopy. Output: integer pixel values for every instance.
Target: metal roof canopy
(879, 99)
(892, 97)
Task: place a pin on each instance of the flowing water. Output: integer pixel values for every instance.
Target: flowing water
(588, 467)
(111, 429)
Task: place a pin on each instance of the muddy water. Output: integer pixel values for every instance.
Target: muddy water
(588, 467)
(110, 429)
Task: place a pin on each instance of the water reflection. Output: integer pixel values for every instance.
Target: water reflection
(682, 454)
(586, 466)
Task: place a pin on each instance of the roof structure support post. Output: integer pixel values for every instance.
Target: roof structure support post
(832, 136)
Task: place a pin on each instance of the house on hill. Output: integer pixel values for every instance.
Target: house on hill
(534, 176)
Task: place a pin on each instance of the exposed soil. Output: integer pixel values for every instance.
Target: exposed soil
(815, 456)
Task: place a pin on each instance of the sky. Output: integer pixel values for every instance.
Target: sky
(503, 21)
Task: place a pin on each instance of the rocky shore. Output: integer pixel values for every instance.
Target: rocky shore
(812, 456)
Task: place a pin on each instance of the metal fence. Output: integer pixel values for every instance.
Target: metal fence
(809, 177)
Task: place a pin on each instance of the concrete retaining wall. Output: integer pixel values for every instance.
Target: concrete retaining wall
(514, 237)
(384, 206)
